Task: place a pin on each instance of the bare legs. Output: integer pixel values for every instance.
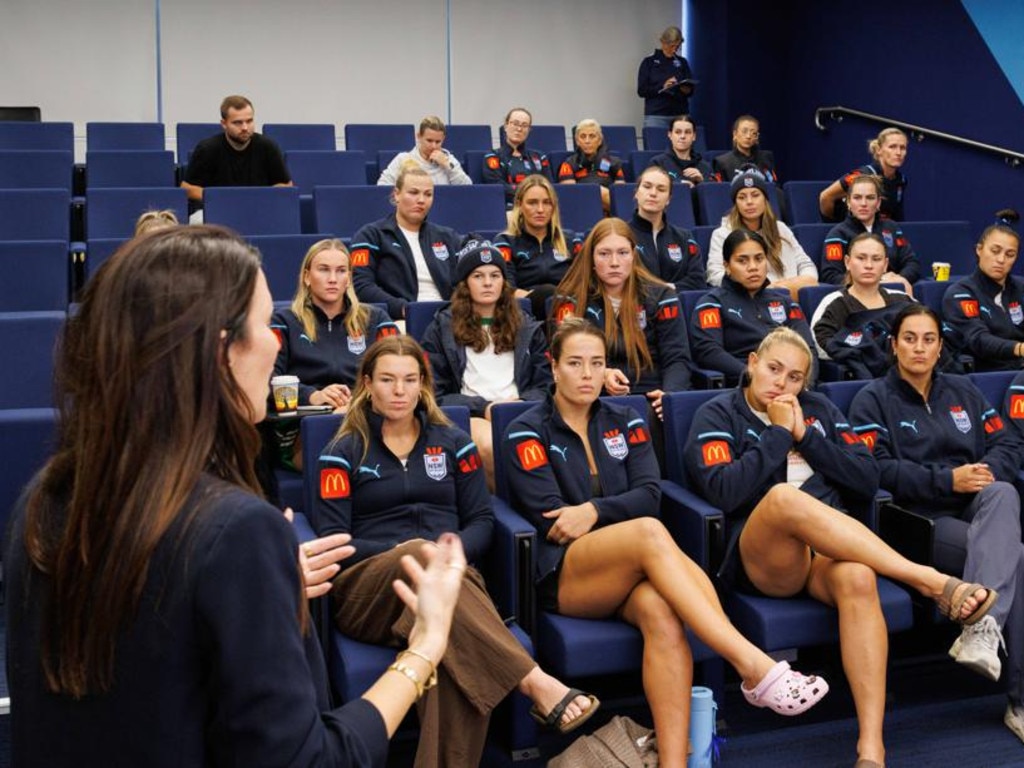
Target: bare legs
(482, 436)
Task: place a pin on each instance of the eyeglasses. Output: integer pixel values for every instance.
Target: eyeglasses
(752, 132)
(519, 125)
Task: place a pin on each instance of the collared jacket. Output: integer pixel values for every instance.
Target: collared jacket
(334, 357)
(898, 250)
(974, 323)
(734, 458)
(532, 369)
(532, 262)
(662, 324)
(849, 333)
(918, 443)
(673, 256)
(599, 168)
(547, 468)
(503, 166)
(383, 270)
(728, 324)
(382, 503)
(674, 166)
(650, 79)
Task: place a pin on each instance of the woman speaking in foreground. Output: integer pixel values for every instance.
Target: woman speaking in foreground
(155, 606)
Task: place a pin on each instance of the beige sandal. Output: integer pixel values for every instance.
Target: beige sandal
(955, 594)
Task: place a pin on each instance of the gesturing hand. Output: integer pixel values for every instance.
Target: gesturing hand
(434, 592)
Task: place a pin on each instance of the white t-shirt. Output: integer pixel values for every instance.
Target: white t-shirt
(426, 288)
(490, 376)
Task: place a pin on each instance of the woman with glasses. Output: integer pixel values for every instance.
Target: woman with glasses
(746, 132)
(513, 161)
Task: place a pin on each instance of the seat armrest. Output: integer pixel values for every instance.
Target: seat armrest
(705, 378)
(509, 567)
(697, 526)
(909, 533)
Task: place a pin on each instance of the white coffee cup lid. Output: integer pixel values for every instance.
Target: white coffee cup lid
(282, 380)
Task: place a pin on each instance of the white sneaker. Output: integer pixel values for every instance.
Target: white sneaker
(978, 646)
(1014, 719)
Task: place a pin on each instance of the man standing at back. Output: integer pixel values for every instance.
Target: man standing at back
(239, 157)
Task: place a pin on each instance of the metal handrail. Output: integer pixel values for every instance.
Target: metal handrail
(916, 132)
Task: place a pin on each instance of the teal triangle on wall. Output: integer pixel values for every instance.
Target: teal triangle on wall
(1001, 24)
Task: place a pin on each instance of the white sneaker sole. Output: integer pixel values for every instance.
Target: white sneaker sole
(1015, 724)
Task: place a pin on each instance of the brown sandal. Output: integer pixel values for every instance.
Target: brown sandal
(955, 594)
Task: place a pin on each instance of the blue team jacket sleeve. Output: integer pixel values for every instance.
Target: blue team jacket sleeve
(1001, 450)
(724, 478)
(265, 712)
(644, 494)
(673, 344)
(903, 478)
(840, 456)
(364, 255)
(907, 264)
(961, 310)
(708, 340)
(476, 516)
(335, 470)
(534, 486)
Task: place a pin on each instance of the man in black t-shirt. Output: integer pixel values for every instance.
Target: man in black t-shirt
(239, 157)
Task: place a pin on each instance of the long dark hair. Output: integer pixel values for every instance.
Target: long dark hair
(148, 404)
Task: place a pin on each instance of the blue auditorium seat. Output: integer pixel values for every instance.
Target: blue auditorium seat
(371, 137)
(714, 199)
(343, 210)
(801, 199)
(469, 208)
(35, 214)
(542, 138)
(680, 206)
(703, 235)
(301, 136)
(459, 139)
(619, 140)
(639, 160)
(812, 239)
(27, 135)
(28, 340)
(112, 213)
(579, 206)
(254, 210)
(124, 136)
(282, 258)
(949, 241)
(474, 164)
(187, 135)
(35, 275)
(129, 168)
(419, 315)
(36, 169)
(771, 624)
(322, 168)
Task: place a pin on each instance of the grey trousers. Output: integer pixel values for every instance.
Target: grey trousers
(985, 542)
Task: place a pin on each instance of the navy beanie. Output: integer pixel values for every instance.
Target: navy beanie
(748, 177)
(477, 253)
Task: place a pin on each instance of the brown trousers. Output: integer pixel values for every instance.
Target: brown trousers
(483, 663)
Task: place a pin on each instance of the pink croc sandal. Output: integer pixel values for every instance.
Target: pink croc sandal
(786, 691)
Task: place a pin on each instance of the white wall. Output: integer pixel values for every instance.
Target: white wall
(334, 61)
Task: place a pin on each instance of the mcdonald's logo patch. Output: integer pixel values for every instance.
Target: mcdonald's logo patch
(993, 424)
(834, 252)
(531, 454)
(638, 435)
(710, 318)
(563, 311)
(564, 171)
(493, 163)
(1017, 406)
(360, 257)
(334, 484)
(506, 252)
(869, 438)
(668, 311)
(969, 307)
(716, 452)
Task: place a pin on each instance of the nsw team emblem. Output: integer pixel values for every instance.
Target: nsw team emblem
(675, 252)
(961, 418)
(1016, 315)
(777, 311)
(357, 344)
(440, 251)
(641, 318)
(616, 444)
(855, 338)
(434, 461)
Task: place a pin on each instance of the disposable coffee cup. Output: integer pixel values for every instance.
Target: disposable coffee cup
(940, 270)
(286, 395)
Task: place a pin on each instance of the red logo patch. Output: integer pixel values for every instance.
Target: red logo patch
(360, 257)
(834, 252)
(869, 438)
(506, 252)
(565, 171)
(969, 307)
(710, 318)
(850, 438)
(563, 311)
(1017, 406)
(531, 454)
(493, 163)
(280, 336)
(387, 330)
(334, 484)
(668, 311)
(470, 463)
(795, 313)
(638, 435)
(716, 452)
(993, 424)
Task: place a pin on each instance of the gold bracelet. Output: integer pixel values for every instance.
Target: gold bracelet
(411, 675)
(432, 679)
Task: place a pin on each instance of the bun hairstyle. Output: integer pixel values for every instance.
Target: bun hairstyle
(1006, 222)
